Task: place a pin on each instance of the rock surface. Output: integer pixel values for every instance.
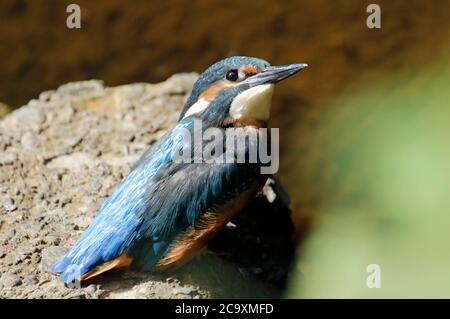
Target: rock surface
(61, 155)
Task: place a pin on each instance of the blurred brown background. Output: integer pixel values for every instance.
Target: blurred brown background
(147, 41)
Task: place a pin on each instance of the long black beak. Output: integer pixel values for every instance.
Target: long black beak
(273, 74)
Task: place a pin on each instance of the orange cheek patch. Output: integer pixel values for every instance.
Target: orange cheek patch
(213, 90)
(249, 70)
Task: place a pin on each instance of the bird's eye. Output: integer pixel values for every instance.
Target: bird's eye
(232, 75)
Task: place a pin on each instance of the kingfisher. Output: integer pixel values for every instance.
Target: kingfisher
(165, 211)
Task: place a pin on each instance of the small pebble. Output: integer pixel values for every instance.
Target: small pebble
(9, 280)
(74, 141)
(8, 235)
(95, 185)
(7, 158)
(29, 141)
(230, 225)
(91, 289)
(30, 280)
(50, 256)
(19, 258)
(8, 204)
(182, 290)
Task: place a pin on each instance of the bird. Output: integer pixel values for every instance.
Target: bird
(165, 211)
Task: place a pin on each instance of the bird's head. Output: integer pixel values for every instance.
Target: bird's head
(237, 88)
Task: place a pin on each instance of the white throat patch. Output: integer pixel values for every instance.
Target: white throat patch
(253, 103)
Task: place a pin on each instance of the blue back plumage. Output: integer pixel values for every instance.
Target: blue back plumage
(155, 203)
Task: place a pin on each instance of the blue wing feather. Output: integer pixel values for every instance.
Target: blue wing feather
(157, 201)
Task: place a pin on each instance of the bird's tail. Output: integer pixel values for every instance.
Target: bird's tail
(68, 271)
(71, 272)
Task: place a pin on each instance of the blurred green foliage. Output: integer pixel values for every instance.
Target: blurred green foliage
(388, 160)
